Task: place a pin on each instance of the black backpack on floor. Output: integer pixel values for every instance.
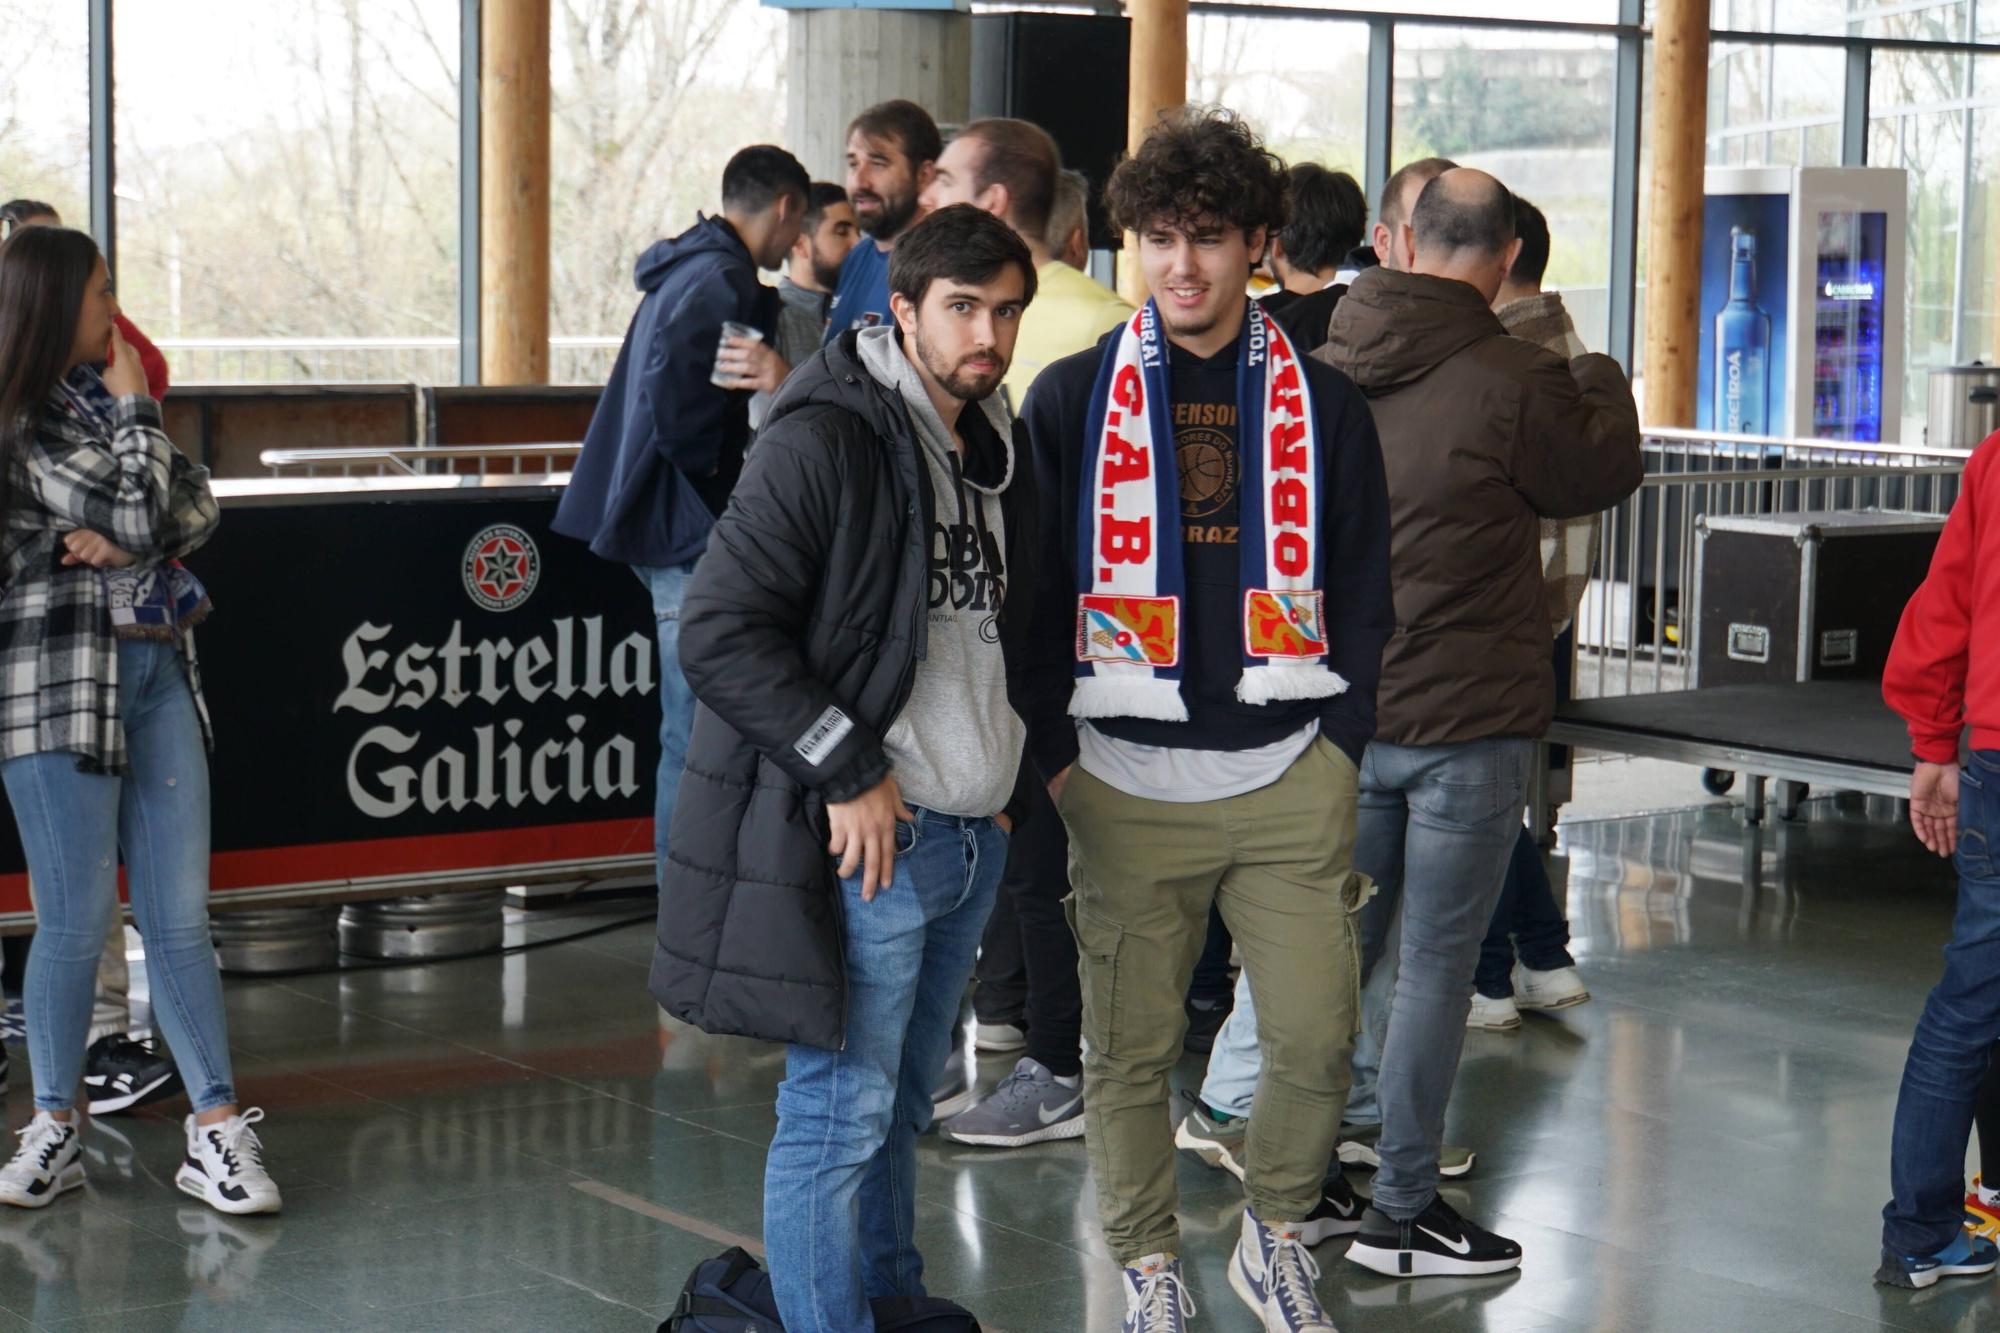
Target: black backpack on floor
(731, 1293)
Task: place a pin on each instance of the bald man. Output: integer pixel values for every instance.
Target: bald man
(1483, 436)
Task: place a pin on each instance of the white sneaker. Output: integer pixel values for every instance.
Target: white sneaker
(1558, 989)
(1491, 1015)
(225, 1166)
(1274, 1273)
(998, 1038)
(49, 1162)
(1156, 1299)
(954, 1094)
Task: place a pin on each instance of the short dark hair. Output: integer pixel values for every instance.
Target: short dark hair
(17, 211)
(1022, 157)
(1329, 215)
(822, 196)
(1425, 169)
(915, 133)
(1463, 215)
(961, 243)
(1199, 162)
(1070, 209)
(1533, 230)
(759, 175)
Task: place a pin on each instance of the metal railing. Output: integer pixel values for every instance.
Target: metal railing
(329, 360)
(1636, 627)
(476, 460)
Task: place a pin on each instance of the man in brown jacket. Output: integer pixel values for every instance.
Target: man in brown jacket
(1483, 436)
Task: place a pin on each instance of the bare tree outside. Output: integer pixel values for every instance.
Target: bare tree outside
(651, 98)
(45, 105)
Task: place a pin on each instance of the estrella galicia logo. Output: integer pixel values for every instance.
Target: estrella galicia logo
(501, 567)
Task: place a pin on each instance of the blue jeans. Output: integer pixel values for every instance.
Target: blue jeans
(1236, 1062)
(1528, 918)
(1437, 826)
(841, 1179)
(1954, 1040)
(668, 585)
(73, 826)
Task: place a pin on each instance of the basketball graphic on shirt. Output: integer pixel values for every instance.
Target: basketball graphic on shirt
(1208, 471)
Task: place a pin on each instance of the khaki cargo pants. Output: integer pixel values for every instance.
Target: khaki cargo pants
(1279, 864)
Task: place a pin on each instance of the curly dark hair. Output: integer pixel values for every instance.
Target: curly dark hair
(1199, 163)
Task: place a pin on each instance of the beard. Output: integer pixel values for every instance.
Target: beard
(826, 272)
(965, 385)
(893, 212)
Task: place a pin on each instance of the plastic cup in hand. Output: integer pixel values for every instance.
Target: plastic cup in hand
(719, 377)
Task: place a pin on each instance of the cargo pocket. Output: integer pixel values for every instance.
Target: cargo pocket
(1098, 945)
(1359, 890)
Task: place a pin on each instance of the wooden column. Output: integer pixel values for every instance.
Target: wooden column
(1159, 66)
(514, 192)
(1678, 115)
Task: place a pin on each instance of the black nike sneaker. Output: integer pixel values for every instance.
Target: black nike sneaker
(1338, 1212)
(120, 1073)
(1435, 1243)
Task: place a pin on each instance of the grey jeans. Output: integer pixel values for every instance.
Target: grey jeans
(1437, 825)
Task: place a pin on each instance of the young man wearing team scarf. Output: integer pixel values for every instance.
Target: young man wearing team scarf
(1200, 685)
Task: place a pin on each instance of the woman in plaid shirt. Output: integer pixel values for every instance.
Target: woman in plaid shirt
(103, 734)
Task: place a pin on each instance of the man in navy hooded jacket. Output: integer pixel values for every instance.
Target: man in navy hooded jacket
(666, 445)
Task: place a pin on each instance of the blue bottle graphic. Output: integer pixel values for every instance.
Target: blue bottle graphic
(1742, 346)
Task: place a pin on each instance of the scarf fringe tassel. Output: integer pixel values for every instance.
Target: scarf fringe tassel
(1268, 684)
(1100, 696)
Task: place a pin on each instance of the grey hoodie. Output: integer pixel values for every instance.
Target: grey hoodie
(956, 746)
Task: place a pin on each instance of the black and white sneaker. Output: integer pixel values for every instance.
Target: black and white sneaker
(1435, 1243)
(5, 1067)
(49, 1162)
(1338, 1212)
(120, 1073)
(225, 1166)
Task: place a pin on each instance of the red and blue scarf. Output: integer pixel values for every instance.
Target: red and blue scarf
(1130, 622)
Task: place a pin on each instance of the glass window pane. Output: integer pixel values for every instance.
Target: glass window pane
(1303, 83)
(1775, 105)
(1536, 110)
(288, 187)
(45, 106)
(1944, 21)
(1570, 11)
(646, 114)
(1924, 20)
(1979, 301)
(1917, 121)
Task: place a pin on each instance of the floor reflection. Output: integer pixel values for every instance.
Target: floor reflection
(526, 1142)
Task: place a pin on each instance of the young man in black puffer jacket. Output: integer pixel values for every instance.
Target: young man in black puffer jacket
(849, 636)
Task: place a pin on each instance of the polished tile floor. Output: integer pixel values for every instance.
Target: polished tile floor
(522, 1143)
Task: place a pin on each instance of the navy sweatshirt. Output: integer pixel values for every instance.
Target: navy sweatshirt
(665, 447)
(1360, 614)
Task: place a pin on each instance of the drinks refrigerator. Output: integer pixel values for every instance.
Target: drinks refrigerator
(1802, 307)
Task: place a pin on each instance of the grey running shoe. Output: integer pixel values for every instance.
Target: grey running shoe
(1031, 1105)
(1216, 1142)
(1357, 1149)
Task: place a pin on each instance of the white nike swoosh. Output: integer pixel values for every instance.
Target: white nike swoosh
(1048, 1117)
(1459, 1246)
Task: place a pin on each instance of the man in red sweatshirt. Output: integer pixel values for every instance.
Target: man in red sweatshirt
(1943, 676)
